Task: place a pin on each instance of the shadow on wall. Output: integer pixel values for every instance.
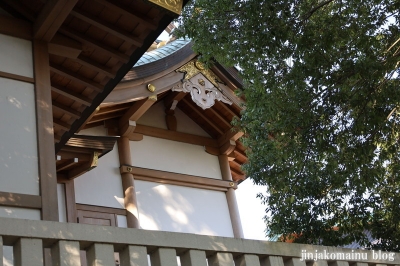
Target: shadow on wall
(182, 209)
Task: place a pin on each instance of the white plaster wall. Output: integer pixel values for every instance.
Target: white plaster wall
(18, 142)
(16, 56)
(173, 156)
(182, 209)
(62, 208)
(155, 117)
(101, 186)
(122, 222)
(21, 213)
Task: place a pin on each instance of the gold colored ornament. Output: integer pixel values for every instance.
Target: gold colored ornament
(201, 82)
(151, 87)
(231, 184)
(153, 97)
(194, 67)
(171, 5)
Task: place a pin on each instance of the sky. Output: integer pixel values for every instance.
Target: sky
(251, 210)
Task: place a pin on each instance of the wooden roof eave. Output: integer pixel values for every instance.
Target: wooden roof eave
(112, 83)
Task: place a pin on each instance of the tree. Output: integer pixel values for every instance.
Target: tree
(322, 116)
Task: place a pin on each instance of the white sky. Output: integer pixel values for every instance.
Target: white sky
(251, 210)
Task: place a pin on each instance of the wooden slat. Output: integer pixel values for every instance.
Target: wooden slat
(104, 117)
(51, 17)
(86, 61)
(70, 203)
(20, 200)
(108, 27)
(95, 44)
(15, 27)
(76, 77)
(45, 134)
(67, 110)
(114, 5)
(202, 116)
(71, 94)
(176, 136)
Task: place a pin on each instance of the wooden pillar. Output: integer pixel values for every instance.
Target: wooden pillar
(45, 134)
(128, 185)
(231, 197)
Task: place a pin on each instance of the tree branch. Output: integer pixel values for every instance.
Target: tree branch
(312, 11)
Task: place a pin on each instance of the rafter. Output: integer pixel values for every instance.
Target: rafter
(67, 110)
(230, 135)
(76, 77)
(202, 116)
(95, 44)
(15, 27)
(71, 94)
(86, 61)
(108, 27)
(51, 17)
(222, 119)
(61, 124)
(115, 5)
(64, 46)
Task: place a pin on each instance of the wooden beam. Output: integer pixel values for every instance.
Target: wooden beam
(119, 8)
(202, 116)
(230, 135)
(157, 176)
(51, 18)
(176, 136)
(173, 96)
(91, 208)
(67, 110)
(67, 163)
(103, 117)
(107, 27)
(76, 77)
(88, 119)
(71, 94)
(63, 46)
(114, 108)
(86, 61)
(45, 134)
(227, 147)
(226, 108)
(222, 119)
(80, 170)
(70, 202)
(98, 45)
(65, 155)
(15, 9)
(61, 124)
(240, 155)
(134, 113)
(15, 27)
(16, 77)
(237, 175)
(20, 200)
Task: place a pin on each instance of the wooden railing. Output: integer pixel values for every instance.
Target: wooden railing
(67, 240)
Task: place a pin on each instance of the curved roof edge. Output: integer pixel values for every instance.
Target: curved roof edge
(162, 52)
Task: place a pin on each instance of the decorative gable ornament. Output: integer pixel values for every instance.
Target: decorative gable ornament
(202, 85)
